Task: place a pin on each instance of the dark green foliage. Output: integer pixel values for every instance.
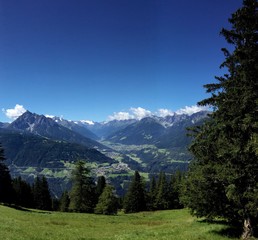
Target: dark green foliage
(55, 204)
(223, 179)
(101, 183)
(23, 193)
(175, 187)
(64, 202)
(152, 194)
(162, 193)
(107, 203)
(41, 194)
(82, 195)
(6, 189)
(135, 199)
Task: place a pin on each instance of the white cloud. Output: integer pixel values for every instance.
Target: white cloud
(87, 122)
(140, 113)
(120, 116)
(49, 116)
(133, 113)
(15, 112)
(165, 112)
(191, 110)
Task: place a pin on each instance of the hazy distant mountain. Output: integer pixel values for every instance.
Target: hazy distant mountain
(104, 129)
(47, 127)
(164, 132)
(145, 131)
(176, 134)
(3, 125)
(77, 126)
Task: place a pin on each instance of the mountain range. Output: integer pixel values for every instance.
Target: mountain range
(35, 144)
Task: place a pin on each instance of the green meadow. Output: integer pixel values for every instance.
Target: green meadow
(41, 225)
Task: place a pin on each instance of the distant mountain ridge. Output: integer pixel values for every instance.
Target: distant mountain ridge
(157, 130)
(46, 127)
(76, 126)
(108, 129)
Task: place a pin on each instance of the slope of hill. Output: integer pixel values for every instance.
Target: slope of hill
(145, 131)
(173, 224)
(29, 155)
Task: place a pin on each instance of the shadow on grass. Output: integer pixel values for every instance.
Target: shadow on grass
(19, 208)
(213, 221)
(228, 230)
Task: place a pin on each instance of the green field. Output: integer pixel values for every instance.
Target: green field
(176, 224)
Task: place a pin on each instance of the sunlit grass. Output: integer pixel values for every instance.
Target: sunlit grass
(177, 224)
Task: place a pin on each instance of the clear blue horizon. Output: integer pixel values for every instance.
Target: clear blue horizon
(90, 59)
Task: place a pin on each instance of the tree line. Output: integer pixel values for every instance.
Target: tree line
(86, 196)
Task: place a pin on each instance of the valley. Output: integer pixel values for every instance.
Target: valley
(38, 145)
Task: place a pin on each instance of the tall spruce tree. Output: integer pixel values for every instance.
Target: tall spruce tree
(175, 186)
(107, 203)
(23, 193)
(152, 194)
(223, 179)
(101, 184)
(6, 189)
(83, 193)
(135, 200)
(64, 202)
(162, 193)
(41, 194)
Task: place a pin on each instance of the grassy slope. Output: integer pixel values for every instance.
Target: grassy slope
(177, 224)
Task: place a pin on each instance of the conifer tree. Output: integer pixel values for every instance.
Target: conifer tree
(175, 186)
(135, 200)
(41, 194)
(23, 193)
(162, 193)
(6, 189)
(152, 194)
(101, 183)
(223, 180)
(107, 203)
(64, 202)
(82, 195)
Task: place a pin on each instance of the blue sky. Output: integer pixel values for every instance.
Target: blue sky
(90, 59)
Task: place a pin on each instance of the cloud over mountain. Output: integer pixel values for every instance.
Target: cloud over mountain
(191, 110)
(165, 112)
(140, 113)
(15, 112)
